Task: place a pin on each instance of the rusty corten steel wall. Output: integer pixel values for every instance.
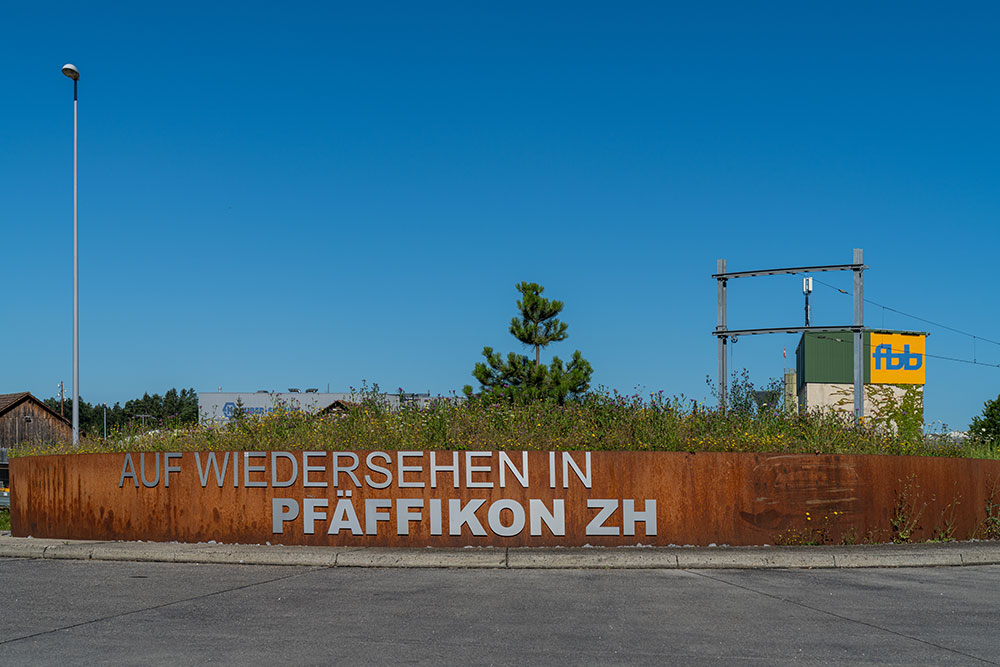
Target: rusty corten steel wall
(702, 498)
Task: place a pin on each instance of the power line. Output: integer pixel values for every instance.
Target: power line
(937, 324)
(964, 361)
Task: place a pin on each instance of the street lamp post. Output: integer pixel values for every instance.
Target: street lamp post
(72, 72)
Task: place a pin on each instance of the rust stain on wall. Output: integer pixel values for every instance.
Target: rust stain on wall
(456, 499)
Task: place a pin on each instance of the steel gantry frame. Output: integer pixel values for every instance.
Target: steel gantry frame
(723, 333)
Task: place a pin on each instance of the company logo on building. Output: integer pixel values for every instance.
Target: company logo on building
(897, 358)
(907, 360)
(229, 409)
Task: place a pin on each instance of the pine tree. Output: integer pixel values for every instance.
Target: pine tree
(518, 379)
(537, 325)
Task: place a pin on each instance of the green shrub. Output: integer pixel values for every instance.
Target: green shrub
(986, 427)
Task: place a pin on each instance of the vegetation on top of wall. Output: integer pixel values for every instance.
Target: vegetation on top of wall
(600, 420)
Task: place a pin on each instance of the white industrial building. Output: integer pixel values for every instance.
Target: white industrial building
(217, 407)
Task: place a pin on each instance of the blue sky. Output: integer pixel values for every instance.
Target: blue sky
(280, 196)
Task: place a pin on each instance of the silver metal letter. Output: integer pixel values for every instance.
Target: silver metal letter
(274, 469)
(379, 469)
(282, 510)
(568, 462)
(458, 515)
(167, 468)
(630, 517)
(607, 507)
(306, 468)
(128, 470)
(403, 468)
(507, 463)
(247, 468)
(350, 470)
(372, 514)
(556, 520)
(403, 514)
(470, 468)
(516, 510)
(435, 468)
(142, 469)
(344, 516)
(310, 513)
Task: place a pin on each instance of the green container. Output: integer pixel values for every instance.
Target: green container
(828, 358)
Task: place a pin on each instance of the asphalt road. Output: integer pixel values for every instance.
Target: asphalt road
(69, 612)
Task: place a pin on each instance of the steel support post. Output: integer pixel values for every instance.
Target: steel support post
(859, 337)
(76, 289)
(722, 339)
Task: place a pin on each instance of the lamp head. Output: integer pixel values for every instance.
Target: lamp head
(71, 71)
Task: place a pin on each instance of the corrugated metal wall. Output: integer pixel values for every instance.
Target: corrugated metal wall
(828, 358)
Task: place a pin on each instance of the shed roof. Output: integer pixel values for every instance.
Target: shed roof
(10, 401)
(337, 406)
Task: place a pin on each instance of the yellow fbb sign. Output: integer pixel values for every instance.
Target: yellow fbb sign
(897, 358)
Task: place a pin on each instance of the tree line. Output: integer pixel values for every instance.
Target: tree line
(174, 408)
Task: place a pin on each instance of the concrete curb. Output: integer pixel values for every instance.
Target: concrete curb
(653, 558)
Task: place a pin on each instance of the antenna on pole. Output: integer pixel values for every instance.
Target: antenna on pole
(807, 288)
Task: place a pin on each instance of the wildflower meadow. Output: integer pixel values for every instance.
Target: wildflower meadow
(601, 420)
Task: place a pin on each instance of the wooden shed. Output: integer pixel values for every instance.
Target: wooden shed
(24, 418)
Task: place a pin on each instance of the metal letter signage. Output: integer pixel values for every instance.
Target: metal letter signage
(897, 358)
(491, 498)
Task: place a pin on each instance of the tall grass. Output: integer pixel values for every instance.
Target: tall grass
(604, 420)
